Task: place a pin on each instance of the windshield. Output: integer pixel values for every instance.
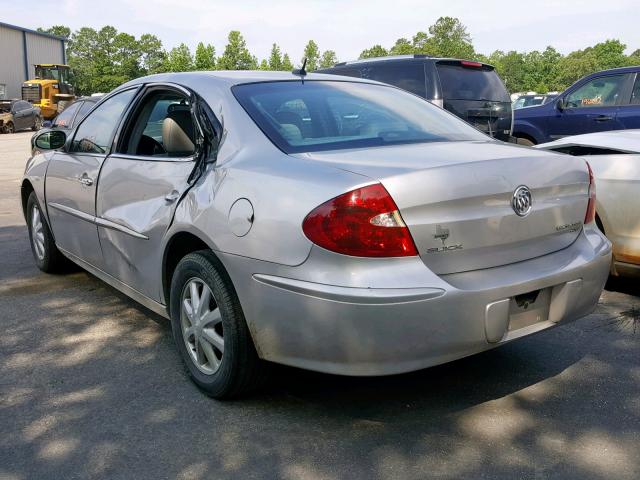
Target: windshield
(471, 83)
(47, 73)
(333, 115)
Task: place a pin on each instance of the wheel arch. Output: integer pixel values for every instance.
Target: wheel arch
(524, 129)
(25, 190)
(179, 245)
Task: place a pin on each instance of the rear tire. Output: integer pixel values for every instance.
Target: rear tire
(525, 141)
(210, 330)
(45, 253)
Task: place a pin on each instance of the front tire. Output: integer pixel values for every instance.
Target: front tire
(10, 128)
(37, 124)
(45, 253)
(210, 330)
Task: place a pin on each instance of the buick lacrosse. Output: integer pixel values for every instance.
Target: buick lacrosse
(328, 223)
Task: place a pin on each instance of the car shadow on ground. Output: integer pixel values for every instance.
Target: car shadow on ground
(91, 386)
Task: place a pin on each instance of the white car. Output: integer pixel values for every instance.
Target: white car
(615, 159)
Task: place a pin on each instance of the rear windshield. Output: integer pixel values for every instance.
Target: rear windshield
(335, 115)
(471, 83)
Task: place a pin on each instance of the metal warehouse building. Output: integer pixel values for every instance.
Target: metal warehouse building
(20, 49)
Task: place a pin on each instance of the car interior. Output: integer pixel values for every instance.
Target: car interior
(163, 127)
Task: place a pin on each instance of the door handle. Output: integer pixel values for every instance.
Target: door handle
(603, 118)
(86, 180)
(172, 197)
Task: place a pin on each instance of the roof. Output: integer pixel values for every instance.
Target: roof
(623, 140)
(34, 32)
(237, 77)
(631, 69)
(405, 57)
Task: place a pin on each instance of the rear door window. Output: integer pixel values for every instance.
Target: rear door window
(598, 92)
(408, 76)
(460, 82)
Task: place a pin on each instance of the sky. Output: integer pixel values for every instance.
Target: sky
(347, 26)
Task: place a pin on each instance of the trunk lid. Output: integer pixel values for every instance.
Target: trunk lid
(456, 199)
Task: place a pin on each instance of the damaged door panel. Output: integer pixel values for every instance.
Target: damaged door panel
(132, 221)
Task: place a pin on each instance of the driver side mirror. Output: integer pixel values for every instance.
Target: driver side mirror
(51, 140)
(561, 104)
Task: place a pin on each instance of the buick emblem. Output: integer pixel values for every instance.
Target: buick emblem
(522, 201)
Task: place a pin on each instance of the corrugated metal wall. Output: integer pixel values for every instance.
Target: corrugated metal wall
(39, 50)
(42, 50)
(11, 61)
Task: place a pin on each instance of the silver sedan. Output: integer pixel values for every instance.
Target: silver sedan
(328, 223)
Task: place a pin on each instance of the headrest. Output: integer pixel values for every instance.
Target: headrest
(177, 132)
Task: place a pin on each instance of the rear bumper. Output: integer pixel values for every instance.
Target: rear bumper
(336, 328)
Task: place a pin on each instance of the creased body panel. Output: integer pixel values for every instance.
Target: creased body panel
(132, 194)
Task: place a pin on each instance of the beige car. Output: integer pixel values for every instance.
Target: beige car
(615, 160)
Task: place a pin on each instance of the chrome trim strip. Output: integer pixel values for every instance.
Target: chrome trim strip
(72, 211)
(151, 158)
(100, 222)
(103, 222)
(142, 299)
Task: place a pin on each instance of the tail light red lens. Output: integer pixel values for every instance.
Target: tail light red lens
(591, 206)
(364, 223)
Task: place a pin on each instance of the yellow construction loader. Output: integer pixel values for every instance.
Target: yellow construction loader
(50, 90)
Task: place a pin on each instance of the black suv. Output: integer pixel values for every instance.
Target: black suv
(471, 90)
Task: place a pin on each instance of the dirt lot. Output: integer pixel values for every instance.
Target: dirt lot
(91, 387)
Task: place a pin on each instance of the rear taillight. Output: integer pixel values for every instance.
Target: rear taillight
(466, 63)
(364, 223)
(591, 206)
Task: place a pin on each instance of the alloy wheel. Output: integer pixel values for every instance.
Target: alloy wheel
(201, 323)
(37, 232)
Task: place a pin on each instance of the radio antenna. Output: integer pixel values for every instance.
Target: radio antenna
(302, 72)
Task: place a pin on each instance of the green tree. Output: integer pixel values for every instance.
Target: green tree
(601, 56)
(312, 54)
(152, 55)
(275, 58)
(328, 59)
(205, 58)
(286, 63)
(375, 51)
(448, 37)
(59, 30)
(180, 59)
(511, 68)
(80, 52)
(264, 65)
(236, 56)
(401, 47)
